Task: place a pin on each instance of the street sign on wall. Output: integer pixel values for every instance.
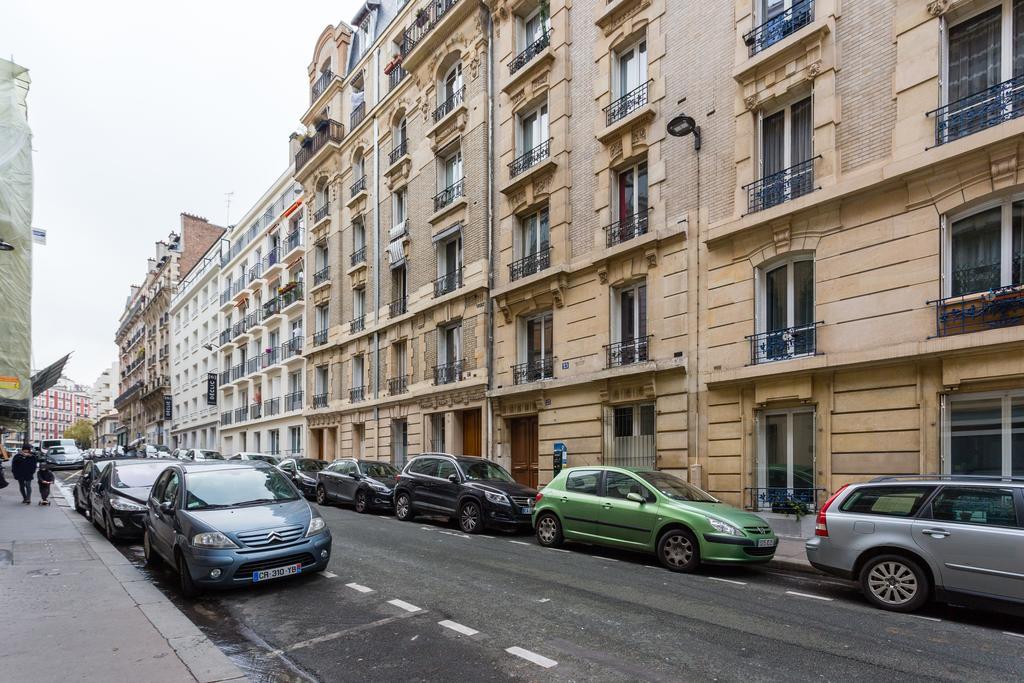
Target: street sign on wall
(167, 407)
(561, 457)
(211, 389)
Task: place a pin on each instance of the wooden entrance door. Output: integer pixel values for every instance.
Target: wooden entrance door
(472, 433)
(525, 446)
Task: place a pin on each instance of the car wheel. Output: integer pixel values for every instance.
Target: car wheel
(895, 583)
(79, 508)
(361, 505)
(549, 531)
(321, 495)
(152, 559)
(403, 508)
(471, 521)
(108, 528)
(186, 585)
(678, 550)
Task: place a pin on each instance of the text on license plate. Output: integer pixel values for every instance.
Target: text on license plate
(766, 543)
(526, 510)
(277, 572)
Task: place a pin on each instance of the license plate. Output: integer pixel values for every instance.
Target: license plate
(277, 572)
(766, 543)
(526, 510)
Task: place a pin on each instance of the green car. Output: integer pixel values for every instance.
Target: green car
(651, 511)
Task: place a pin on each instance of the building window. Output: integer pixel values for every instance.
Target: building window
(321, 383)
(629, 82)
(787, 151)
(398, 383)
(400, 145)
(786, 326)
(534, 245)
(532, 27)
(449, 354)
(322, 257)
(437, 436)
(399, 443)
(777, 19)
(274, 442)
(532, 140)
(451, 91)
(358, 390)
(535, 349)
(451, 171)
(986, 248)
(449, 264)
(785, 464)
(398, 209)
(629, 326)
(630, 204)
(295, 440)
(985, 434)
(358, 242)
(633, 432)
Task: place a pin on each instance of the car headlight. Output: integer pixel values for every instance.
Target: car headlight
(497, 498)
(212, 539)
(125, 505)
(306, 480)
(724, 527)
(380, 488)
(316, 525)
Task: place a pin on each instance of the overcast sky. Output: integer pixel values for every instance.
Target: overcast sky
(140, 111)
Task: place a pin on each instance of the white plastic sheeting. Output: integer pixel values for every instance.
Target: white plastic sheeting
(16, 230)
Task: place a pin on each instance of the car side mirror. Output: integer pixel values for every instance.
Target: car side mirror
(167, 507)
(355, 475)
(453, 478)
(635, 497)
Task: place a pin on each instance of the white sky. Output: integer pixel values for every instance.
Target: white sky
(139, 111)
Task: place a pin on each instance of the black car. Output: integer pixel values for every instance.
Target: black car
(91, 472)
(118, 498)
(302, 472)
(477, 492)
(364, 483)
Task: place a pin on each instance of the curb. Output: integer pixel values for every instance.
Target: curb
(793, 566)
(200, 656)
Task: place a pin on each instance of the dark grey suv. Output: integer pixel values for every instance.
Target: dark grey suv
(908, 539)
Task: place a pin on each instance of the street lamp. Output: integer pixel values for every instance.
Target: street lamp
(681, 126)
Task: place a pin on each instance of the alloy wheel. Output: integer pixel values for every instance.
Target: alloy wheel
(361, 501)
(892, 583)
(678, 551)
(108, 529)
(469, 518)
(546, 530)
(321, 495)
(402, 507)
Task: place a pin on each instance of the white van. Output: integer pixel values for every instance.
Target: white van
(48, 443)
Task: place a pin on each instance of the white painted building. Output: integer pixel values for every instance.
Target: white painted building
(104, 390)
(195, 327)
(262, 301)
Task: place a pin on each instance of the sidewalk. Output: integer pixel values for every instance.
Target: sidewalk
(73, 608)
(791, 556)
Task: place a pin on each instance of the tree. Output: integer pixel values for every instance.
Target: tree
(81, 432)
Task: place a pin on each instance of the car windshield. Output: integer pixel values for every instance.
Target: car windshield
(485, 471)
(675, 488)
(57, 450)
(378, 470)
(266, 458)
(229, 488)
(309, 465)
(211, 455)
(137, 476)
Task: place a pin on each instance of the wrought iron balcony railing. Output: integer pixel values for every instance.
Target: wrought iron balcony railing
(778, 27)
(425, 21)
(356, 394)
(627, 104)
(543, 368)
(358, 186)
(225, 376)
(784, 500)
(322, 211)
(252, 365)
(272, 406)
(791, 342)
(225, 336)
(271, 356)
(271, 259)
(357, 324)
(256, 272)
(237, 372)
(320, 85)
(294, 240)
(449, 194)
(627, 352)
(292, 347)
(398, 385)
(226, 418)
(241, 414)
(449, 105)
(1002, 307)
(320, 400)
(225, 296)
(357, 115)
(448, 373)
(395, 77)
(293, 401)
(321, 276)
(398, 306)
(448, 282)
(787, 184)
(529, 159)
(319, 337)
(358, 256)
(627, 228)
(326, 131)
(271, 307)
(990, 107)
(398, 151)
(531, 264)
(531, 51)
(255, 411)
(291, 295)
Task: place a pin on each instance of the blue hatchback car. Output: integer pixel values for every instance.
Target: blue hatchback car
(224, 524)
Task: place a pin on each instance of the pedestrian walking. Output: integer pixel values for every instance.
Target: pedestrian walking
(45, 479)
(23, 467)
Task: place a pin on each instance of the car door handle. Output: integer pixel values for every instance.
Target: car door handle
(564, 499)
(606, 506)
(935, 533)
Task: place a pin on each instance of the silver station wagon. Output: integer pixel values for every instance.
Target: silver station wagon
(906, 540)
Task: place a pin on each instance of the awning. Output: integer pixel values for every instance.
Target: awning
(447, 232)
(397, 231)
(47, 377)
(396, 254)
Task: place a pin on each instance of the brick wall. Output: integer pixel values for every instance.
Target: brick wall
(197, 236)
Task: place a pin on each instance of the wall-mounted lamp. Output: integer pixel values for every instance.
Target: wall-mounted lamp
(681, 126)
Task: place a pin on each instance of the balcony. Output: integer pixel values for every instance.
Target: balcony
(293, 401)
(255, 411)
(225, 377)
(321, 276)
(627, 352)
(358, 256)
(291, 294)
(531, 51)
(425, 21)
(358, 186)
(319, 337)
(319, 400)
(974, 113)
(225, 296)
(627, 228)
(534, 371)
(291, 348)
(356, 394)
(397, 152)
(321, 212)
(780, 187)
(448, 374)
(627, 104)
(791, 342)
(398, 385)
(448, 282)
(326, 131)
(396, 76)
(449, 105)
(271, 356)
(996, 308)
(271, 259)
(357, 324)
(530, 265)
(256, 272)
(398, 306)
(252, 365)
(320, 85)
(800, 14)
(272, 406)
(237, 286)
(293, 241)
(529, 159)
(237, 372)
(241, 414)
(449, 194)
(357, 115)
(272, 307)
(226, 418)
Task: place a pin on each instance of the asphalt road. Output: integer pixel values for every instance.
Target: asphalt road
(422, 601)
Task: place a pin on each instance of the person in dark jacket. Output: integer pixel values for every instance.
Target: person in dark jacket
(23, 467)
(45, 479)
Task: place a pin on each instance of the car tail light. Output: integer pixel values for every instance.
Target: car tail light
(539, 496)
(821, 525)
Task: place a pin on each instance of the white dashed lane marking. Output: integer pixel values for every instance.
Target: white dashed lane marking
(737, 583)
(918, 616)
(1015, 635)
(519, 542)
(458, 628)
(358, 587)
(402, 604)
(808, 595)
(329, 575)
(539, 660)
(558, 550)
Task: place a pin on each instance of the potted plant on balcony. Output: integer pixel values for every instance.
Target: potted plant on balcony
(422, 17)
(287, 287)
